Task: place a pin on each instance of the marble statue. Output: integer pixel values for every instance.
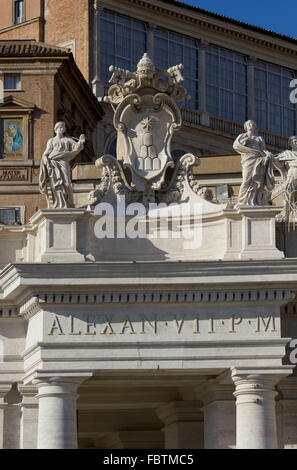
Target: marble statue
(55, 172)
(288, 168)
(257, 167)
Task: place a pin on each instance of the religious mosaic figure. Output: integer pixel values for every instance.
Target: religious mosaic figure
(55, 171)
(12, 136)
(257, 167)
(16, 136)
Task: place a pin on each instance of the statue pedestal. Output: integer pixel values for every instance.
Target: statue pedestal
(62, 235)
(230, 234)
(251, 233)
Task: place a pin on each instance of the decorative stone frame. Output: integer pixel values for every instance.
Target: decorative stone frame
(14, 108)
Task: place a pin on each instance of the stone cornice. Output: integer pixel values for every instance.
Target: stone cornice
(129, 282)
(29, 307)
(34, 304)
(8, 311)
(147, 297)
(222, 25)
(216, 275)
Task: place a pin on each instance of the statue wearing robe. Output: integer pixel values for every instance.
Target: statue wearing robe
(257, 167)
(55, 171)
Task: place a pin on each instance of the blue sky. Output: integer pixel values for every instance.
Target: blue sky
(276, 15)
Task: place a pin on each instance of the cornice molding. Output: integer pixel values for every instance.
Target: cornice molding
(221, 28)
(32, 305)
(8, 311)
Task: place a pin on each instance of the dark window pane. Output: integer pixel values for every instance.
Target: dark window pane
(261, 114)
(226, 104)
(240, 108)
(289, 122)
(212, 100)
(275, 119)
(123, 42)
(227, 72)
(274, 111)
(171, 49)
(19, 16)
(274, 88)
(12, 82)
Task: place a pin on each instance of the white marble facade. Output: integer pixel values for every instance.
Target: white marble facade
(147, 342)
(194, 351)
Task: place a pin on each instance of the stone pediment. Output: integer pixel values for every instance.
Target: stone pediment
(12, 102)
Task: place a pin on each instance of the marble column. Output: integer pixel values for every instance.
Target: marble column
(183, 425)
(219, 414)
(29, 417)
(4, 389)
(288, 407)
(57, 416)
(255, 409)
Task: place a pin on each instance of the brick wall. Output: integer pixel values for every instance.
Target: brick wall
(66, 21)
(39, 90)
(31, 30)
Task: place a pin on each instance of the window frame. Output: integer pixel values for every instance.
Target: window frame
(12, 74)
(22, 211)
(183, 45)
(222, 89)
(14, 17)
(264, 66)
(242, 96)
(117, 56)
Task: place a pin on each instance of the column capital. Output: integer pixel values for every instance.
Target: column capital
(264, 377)
(57, 386)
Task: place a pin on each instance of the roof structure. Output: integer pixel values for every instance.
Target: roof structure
(30, 48)
(227, 19)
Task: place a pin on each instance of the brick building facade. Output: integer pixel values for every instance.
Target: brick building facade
(42, 85)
